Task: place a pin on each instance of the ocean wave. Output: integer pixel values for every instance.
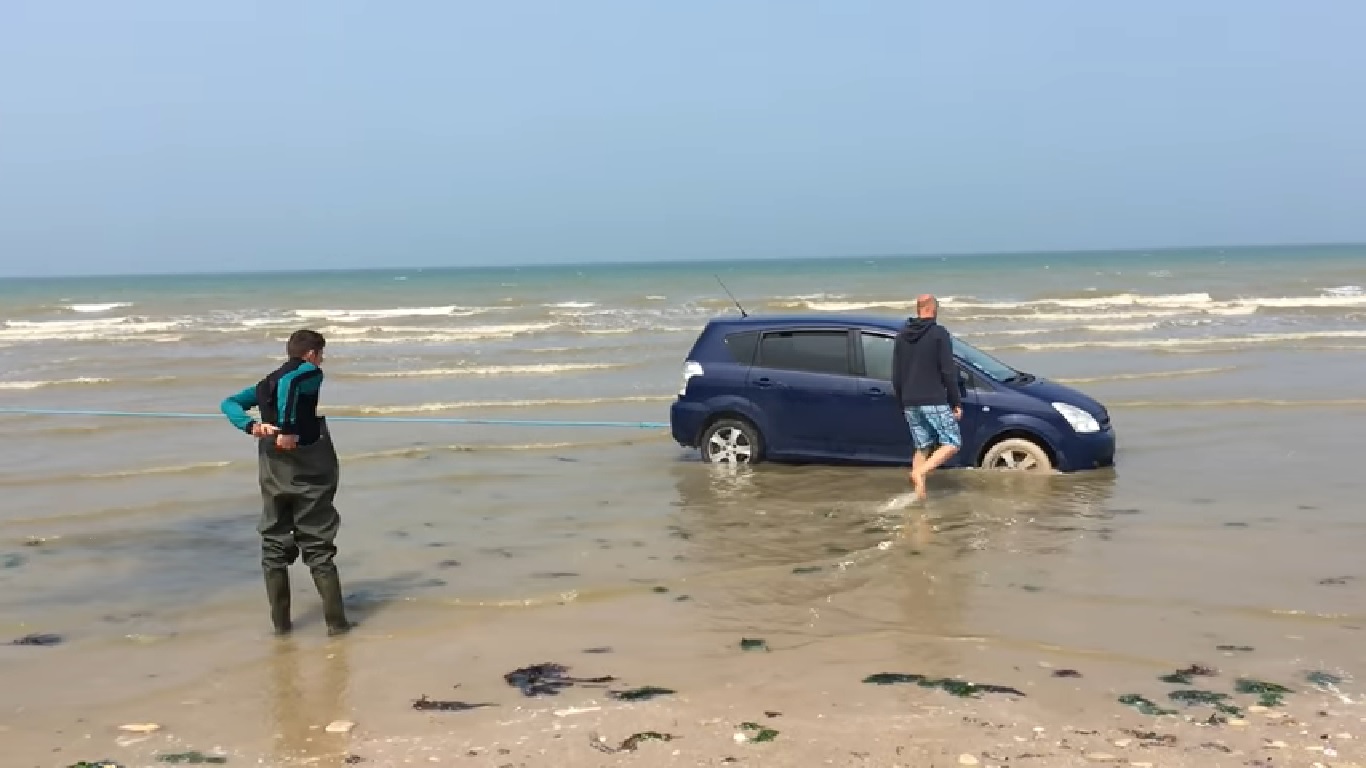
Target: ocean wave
(1344, 290)
(352, 315)
(1203, 341)
(1148, 375)
(1111, 328)
(571, 305)
(1240, 402)
(482, 370)
(1188, 302)
(379, 410)
(93, 308)
(53, 383)
(175, 469)
(409, 335)
(418, 451)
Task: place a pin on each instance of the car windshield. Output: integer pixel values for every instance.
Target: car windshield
(984, 362)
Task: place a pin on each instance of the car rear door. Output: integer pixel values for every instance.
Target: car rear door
(803, 381)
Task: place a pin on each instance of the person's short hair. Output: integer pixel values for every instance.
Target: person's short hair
(925, 305)
(303, 341)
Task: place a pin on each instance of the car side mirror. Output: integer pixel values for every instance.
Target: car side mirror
(963, 380)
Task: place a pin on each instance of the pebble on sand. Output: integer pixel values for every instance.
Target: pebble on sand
(967, 760)
(140, 727)
(340, 726)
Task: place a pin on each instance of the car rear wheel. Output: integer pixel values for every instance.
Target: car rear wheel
(731, 441)
(1017, 454)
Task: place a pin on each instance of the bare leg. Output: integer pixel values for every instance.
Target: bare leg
(941, 454)
(917, 476)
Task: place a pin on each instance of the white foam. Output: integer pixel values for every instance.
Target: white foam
(51, 383)
(485, 370)
(490, 404)
(571, 305)
(112, 328)
(1204, 341)
(352, 315)
(99, 307)
(1344, 290)
(397, 334)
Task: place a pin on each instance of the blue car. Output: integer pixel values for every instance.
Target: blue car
(817, 388)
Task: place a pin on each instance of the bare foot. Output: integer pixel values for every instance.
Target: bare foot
(918, 481)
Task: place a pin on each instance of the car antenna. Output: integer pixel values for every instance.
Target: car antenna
(743, 313)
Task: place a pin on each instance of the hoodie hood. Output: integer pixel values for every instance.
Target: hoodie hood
(916, 327)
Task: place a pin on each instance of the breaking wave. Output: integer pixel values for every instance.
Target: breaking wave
(484, 370)
(378, 410)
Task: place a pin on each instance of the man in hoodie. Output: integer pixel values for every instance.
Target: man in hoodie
(925, 379)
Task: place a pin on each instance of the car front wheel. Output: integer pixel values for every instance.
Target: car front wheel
(731, 441)
(1017, 454)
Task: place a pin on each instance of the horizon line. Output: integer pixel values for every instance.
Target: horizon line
(636, 262)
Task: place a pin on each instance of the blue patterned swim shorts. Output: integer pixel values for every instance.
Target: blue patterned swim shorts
(933, 425)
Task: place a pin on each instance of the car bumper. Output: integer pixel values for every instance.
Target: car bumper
(1090, 451)
(685, 422)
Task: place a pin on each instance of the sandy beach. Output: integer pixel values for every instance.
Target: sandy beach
(1227, 538)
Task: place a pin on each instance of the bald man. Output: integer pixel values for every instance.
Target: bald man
(925, 379)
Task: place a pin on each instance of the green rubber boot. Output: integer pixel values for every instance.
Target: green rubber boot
(277, 592)
(334, 611)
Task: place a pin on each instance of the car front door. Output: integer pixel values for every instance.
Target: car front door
(878, 428)
(803, 382)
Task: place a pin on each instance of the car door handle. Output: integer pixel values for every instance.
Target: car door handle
(763, 382)
(876, 392)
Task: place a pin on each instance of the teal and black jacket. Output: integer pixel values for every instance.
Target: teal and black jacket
(286, 398)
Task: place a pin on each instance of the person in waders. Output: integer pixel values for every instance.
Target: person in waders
(299, 473)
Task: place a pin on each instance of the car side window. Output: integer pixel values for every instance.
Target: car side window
(877, 356)
(809, 351)
(742, 346)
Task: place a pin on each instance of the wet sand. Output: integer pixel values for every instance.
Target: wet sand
(1193, 542)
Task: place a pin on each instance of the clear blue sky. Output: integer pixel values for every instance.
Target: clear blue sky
(187, 136)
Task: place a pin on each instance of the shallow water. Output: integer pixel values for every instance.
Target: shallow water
(1232, 516)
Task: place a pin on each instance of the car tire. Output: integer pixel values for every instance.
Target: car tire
(731, 441)
(1017, 454)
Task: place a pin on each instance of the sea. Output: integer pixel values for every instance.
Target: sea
(1234, 512)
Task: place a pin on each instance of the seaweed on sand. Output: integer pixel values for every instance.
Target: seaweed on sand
(194, 758)
(753, 644)
(630, 743)
(1184, 676)
(761, 734)
(1144, 705)
(43, 640)
(548, 679)
(960, 688)
(641, 694)
(424, 704)
(1272, 694)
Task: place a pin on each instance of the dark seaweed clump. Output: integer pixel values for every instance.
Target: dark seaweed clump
(425, 704)
(1067, 673)
(632, 742)
(194, 758)
(43, 640)
(1272, 694)
(753, 644)
(1185, 676)
(1323, 679)
(641, 694)
(96, 764)
(548, 679)
(761, 734)
(960, 688)
(1144, 705)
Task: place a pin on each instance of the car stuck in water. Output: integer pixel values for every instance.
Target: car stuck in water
(817, 388)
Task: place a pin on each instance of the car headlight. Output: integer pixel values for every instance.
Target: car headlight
(1080, 420)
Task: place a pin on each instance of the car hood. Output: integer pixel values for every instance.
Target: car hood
(1054, 392)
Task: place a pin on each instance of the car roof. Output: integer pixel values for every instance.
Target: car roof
(821, 319)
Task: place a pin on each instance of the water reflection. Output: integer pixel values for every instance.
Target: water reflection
(308, 689)
(820, 552)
